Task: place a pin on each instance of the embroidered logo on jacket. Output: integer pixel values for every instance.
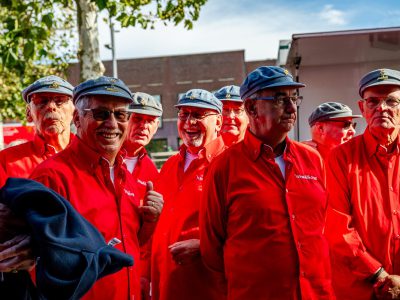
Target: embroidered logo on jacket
(141, 182)
(129, 193)
(306, 177)
(199, 177)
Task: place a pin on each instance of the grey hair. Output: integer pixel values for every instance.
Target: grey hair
(256, 95)
(83, 102)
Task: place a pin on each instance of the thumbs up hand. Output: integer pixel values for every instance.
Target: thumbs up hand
(153, 204)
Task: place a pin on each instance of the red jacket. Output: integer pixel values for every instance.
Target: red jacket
(262, 232)
(179, 221)
(83, 177)
(21, 160)
(3, 177)
(145, 170)
(363, 221)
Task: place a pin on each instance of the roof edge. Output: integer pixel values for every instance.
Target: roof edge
(345, 32)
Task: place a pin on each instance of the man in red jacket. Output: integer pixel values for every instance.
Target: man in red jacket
(90, 173)
(363, 219)
(263, 208)
(331, 124)
(177, 269)
(234, 117)
(50, 108)
(143, 124)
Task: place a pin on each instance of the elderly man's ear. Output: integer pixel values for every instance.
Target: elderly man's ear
(75, 119)
(28, 114)
(250, 107)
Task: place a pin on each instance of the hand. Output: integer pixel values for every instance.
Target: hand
(10, 225)
(388, 287)
(153, 206)
(16, 254)
(185, 252)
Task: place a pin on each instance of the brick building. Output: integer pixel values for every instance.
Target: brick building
(168, 77)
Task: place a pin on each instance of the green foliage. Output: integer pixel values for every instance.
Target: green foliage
(34, 42)
(147, 12)
(36, 37)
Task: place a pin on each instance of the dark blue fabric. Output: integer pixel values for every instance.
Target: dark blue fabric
(72, 253)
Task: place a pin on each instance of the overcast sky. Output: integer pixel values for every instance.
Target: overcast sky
(255, 26)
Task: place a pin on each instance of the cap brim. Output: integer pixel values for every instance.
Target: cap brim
(283, 84)
(199, 105)
(232, 100)
(107, 93)
(378, 83)
(146, 112)
(59, 90)
(345, 117)
(335, 117)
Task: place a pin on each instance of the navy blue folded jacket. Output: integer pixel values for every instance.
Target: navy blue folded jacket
(71, 253)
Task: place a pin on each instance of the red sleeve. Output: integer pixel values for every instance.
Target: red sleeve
(50, 179)
(345, 243)
(212, 219)
(3, 176)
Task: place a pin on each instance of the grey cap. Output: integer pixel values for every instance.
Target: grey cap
(48, 84)
(145, 104)
(200, 98)
(379, 77)
(103, 85)
(229, 93)
(331, 111)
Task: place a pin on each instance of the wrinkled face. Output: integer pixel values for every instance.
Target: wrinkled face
(198, 126)
(335, 132)
(271, 117)
(140, 130)
(103, 136)
(50, 112)
(235, 119)
(381, 109)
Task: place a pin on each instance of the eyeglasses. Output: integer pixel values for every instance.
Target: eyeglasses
(42, 101)
(183, 115)
(346, 124)
(100, 114)
(374, 102)
(226, 111)
(282, 100)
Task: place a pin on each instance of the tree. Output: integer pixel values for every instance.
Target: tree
(36, 35)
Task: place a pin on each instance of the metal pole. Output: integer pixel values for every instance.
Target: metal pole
(114, 60)
(297, 67)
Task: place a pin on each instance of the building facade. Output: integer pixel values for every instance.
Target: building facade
(168, 77)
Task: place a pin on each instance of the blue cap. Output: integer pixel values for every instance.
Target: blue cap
(229, 93)
(145, 104)
(267, 77)
(200, 98)
(103, 85)
(331, 111)
(379, 77)
(48, 84)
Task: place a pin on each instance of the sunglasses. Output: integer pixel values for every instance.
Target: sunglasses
(100, 114)
(346, 124)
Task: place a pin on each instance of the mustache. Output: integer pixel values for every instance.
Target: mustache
(109, 131)
(51, 116)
